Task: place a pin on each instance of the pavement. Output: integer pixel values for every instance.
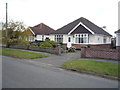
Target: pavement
(21, 73)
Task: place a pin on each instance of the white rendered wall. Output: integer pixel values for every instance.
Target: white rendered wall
(65, 38)
(52, 37)
(99, 39)
(39, 37)
(117, 39)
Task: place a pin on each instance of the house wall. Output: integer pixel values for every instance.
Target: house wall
(39, 37)
(99, 39)
(93, 40)
(52, 37)
(65, 38)
(31, 38)
(117, 39)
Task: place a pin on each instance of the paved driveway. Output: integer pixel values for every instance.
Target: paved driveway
(56, 60)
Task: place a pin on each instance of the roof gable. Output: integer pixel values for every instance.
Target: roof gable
(94, 28)
(118, 31)
(42, 29)
(81, 29)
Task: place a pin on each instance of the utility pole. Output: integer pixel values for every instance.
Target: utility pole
(6, 21)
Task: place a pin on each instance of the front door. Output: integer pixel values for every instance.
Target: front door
(69, 43)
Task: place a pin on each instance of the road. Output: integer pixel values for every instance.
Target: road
(20, 73)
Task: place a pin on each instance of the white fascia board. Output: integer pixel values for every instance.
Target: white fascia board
(32, 31)
(80, 23)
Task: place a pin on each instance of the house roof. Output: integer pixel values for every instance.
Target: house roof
(118, 31)
(94, 28)
(42, 29)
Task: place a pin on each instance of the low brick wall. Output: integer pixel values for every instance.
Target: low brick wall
(79, 46)
(56, 50)
(19, 46)
(48, 50)
(100, 53)
(106, 46)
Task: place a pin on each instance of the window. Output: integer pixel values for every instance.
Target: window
(104, 39)
(81, 38)
(98, 39)
(59, 38)
(69, 39)
(42, 37)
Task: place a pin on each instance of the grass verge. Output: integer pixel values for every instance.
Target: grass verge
(21, 54)
(98, 67)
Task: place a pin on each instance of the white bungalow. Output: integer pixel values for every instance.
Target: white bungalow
(79, 32)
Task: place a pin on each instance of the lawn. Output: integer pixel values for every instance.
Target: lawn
(20, 54)
(99, 67)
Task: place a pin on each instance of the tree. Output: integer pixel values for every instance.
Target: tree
(14, 32)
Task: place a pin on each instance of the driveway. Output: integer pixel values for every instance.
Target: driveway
(56, 60)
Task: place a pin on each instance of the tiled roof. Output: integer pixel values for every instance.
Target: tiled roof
(118, 31)
(94, 28)
(42, 29)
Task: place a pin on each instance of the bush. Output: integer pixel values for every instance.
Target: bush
(35, 44)
(12, 41)
(72, 49)
(53, 43)
(50, 44)
(46, 44)
(23, 42)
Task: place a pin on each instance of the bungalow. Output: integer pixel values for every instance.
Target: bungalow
(40, 32)
(81, 32)
(117, 38)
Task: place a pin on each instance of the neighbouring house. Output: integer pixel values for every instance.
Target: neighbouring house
(117, 38)
(81, 32)
(40, 32)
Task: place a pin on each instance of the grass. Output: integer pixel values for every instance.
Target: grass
(99, 67)
(21, 54)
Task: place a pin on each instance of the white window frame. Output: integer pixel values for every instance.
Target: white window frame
(59, 38)
(81, 38)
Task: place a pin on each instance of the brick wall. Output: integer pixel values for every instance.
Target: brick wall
(19, 46)
(56, 50)
(100, 53)
(78, 46)
(106, 46)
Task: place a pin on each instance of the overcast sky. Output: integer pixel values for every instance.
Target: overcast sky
(57, 13)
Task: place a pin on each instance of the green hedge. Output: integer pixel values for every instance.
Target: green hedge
(50, 44)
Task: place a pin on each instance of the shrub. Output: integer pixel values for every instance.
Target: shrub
(72, 49)
(50, 44)
(12, 41)
(46, 44)
(34, 44)
(53, 43)
(22, 42)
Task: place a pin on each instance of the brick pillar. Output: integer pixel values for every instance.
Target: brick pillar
(58, 49)
(83, 52)
(118, 50)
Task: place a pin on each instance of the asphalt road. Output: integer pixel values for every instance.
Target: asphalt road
(20, 73)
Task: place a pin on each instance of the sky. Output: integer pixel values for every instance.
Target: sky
(57, 13)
